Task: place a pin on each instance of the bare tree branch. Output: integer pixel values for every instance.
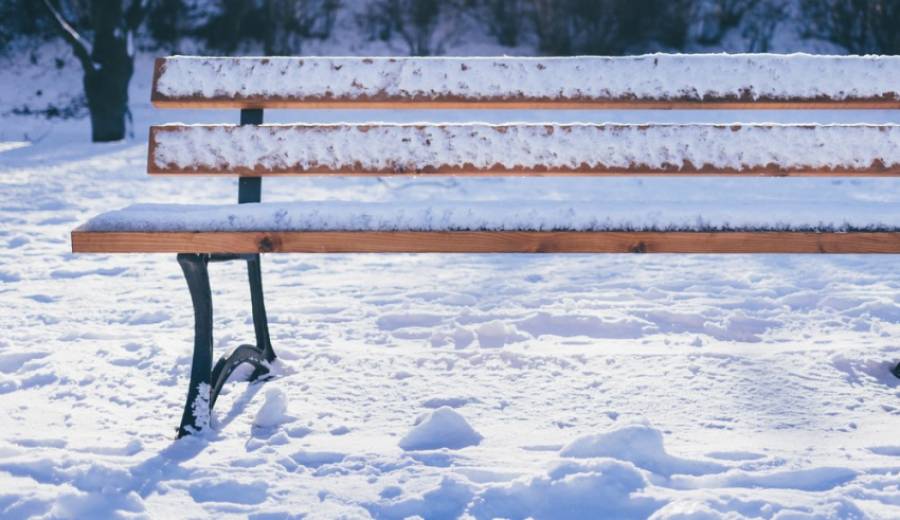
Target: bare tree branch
(79, 46)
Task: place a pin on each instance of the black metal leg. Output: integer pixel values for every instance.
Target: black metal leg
(207, 380)
(896, 370)
(260, 322)
(198, 405)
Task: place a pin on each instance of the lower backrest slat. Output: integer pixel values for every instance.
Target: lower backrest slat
(526, 149)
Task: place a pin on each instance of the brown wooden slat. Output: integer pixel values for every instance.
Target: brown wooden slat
(485, 242)
(636, 171)
(745, 101)
(278, 140)
(624, 104)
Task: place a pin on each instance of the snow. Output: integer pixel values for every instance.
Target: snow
(518, 215)
(653, 76)
(442, 428)
(605, 489)
(788, 391)
(200, 409)
(427, 147)
(12, 145)
(272, 412)
(640, 444)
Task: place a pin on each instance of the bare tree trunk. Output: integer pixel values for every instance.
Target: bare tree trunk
(109, 65)
(106, 84)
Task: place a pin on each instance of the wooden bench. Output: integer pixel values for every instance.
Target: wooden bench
(252, 150)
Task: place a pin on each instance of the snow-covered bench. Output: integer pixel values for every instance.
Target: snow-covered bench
(201, 234)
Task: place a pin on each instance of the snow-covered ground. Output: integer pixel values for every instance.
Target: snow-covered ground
(550, 386)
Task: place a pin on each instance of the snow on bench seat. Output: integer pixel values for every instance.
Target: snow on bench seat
(479, 149)
(663, 79)
(618, 215)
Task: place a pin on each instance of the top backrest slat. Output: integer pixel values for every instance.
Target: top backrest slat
(741, 81)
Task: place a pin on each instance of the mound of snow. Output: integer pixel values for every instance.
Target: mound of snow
(572, 490)
(442, 428)
(691, 510)
(495, 334)
(314, 459)
(810, 479)
(447, 501)
(729, 508)
(641, 445)
(273, 411)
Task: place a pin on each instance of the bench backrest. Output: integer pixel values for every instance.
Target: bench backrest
(716, 81)
(644, 82)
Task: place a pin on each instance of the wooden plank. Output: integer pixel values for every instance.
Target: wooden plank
(479, 149)
(485, 242)
(772, 82)
(623, 104)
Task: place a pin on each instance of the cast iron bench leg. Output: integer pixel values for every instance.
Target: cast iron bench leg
(197, 408)
(260, 321)
(896, 370)
(207, 380)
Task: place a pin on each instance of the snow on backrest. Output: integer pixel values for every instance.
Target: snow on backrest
(649, 81)
(526, 149)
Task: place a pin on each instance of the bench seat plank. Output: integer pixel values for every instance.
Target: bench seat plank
(483, 242)
(650, 81)
(526, 149)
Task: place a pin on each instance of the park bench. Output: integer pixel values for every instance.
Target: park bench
(252, 150)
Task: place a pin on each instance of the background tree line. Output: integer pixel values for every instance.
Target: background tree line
(557, 27)
(102, 33)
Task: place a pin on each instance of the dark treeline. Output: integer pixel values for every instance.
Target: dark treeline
(425, 27)
(102, 33)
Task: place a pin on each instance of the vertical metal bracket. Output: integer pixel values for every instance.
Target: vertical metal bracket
(250, 188)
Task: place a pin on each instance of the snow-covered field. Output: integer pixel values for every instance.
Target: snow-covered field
(550, 386)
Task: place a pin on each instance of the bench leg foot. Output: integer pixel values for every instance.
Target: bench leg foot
(226, 365)
(198, 406)
(896, 371)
